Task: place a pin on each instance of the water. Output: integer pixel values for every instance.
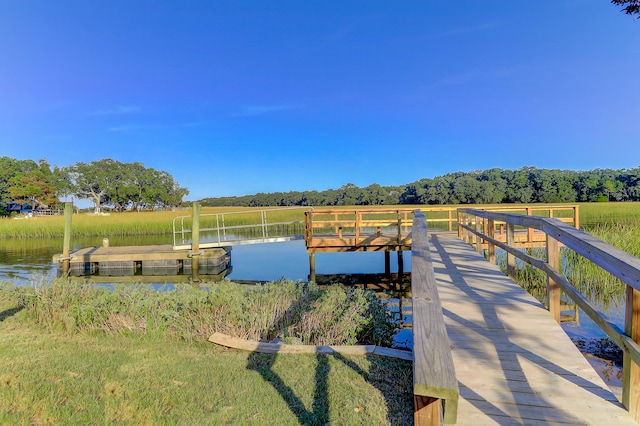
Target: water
(25, 261)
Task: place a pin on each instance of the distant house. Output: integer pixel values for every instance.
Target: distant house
(13, 206)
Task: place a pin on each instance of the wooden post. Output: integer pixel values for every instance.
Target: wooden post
(66, 245)
(450, 220)
(576, 219)
(400, 268)
(553, 290)
(387, 263)
(631, 371)
(312, 267)
(426, 411)
(458, 224)
(479, 225)
(511, 259)
(491, 249)
(358, 217)
(529, 230)
(195, 241)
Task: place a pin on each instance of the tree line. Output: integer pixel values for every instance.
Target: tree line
(493, 186)
(121, 186)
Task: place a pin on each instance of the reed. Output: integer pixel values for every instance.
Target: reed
(160, 223)
(133, 223)
(291, 311)
(593, 281)
(592, 214)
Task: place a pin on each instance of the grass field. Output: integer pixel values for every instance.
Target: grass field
(74, 354)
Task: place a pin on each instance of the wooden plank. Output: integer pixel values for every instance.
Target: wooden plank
(433, 371)
(559, 414)
(631, 370)
(268, 347)
(514, 363)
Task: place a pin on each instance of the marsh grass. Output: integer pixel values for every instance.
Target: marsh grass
(592, 214)
(291, 311)
(595, 283)
(160, 223)
(131, 223)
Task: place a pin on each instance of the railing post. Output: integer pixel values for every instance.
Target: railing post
(399, 227)
(195, 241)
(479, 225)
(491, 249)
(511, 259)
(576, 217)
(459, 223)
(358, 215)
(450, 220)
(529, 230)
(553, 290)
(631, 371)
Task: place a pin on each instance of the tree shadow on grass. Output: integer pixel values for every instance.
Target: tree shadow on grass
(397, 391)
(9, 313)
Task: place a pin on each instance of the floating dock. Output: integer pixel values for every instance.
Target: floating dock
(151, 260)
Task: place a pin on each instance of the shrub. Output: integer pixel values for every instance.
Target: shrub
(294, 312)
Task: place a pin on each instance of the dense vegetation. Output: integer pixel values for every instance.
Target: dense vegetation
(82, 354)
(123, 186)
(493, 186)
(293, 312)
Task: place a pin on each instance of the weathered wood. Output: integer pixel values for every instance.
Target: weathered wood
(511, 261)
(433, 370)
(282, 348)
(491, 249)
(66, 245)
(553, 290)
(617, 262)
(512, 369)
(612, 330)
(631, 370)
(479, 225)
(426, 410)
(312, 267)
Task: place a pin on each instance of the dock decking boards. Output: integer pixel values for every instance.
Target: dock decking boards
(514, 364)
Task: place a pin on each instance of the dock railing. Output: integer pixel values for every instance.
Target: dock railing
(478, 227)
(239, 227)
(435, 386)
(357, 227)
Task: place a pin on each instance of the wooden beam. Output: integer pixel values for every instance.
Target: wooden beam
(553, 290)
(433, 371)
(631, 370)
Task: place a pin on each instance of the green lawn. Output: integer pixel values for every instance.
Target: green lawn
(55, 377)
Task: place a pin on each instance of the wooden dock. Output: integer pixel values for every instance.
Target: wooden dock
(149, 260)
(513, 362)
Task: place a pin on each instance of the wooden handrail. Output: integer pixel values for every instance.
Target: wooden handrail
(434, 379)
(620, 264)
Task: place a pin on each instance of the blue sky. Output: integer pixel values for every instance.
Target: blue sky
(238, 97)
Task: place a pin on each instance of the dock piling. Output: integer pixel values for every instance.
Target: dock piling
(66, 245)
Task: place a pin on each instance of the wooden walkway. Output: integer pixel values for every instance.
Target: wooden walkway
(513, 362)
